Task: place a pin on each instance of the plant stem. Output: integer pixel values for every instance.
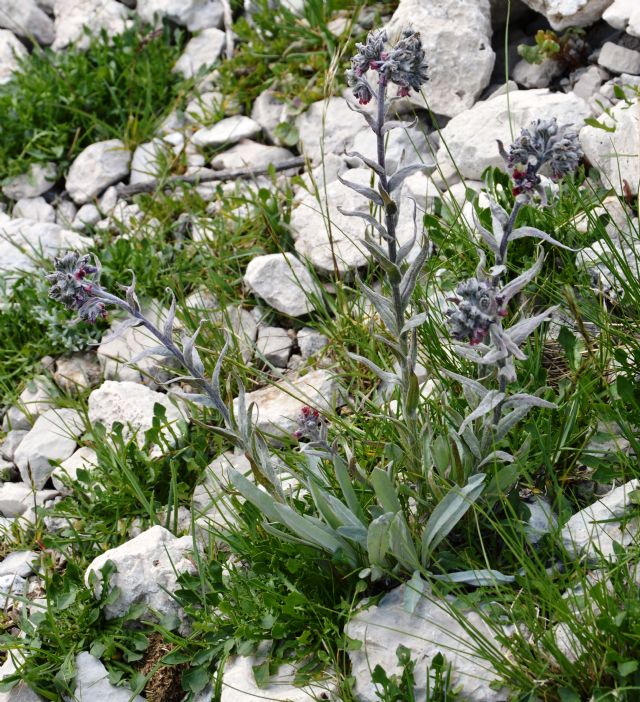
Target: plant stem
(502, 253)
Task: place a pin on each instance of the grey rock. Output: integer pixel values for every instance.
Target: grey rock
(72, 16)
(77, 372)
(456, 35)
(65, 213)
(147, 161)
(84, 458)
(471, 137)
(21, 692)
(542, 520)
(625, 15)
(52, 438)
(200, 52)
(92, 683)
(274, 345)
(34, 208)
(21, 563)
(279, 405)
(192, 14)
(283, 282)
(327, 127)
(11, 442)
(431, 629)
(311, 342)
(592, 531)
(131, 404)
(11, 51)
(589, 81)
(269, 111)
(536, 75)
(97, 167)
(17, 498)
(26, 20)
(242, 327)
(37, 180)
(250, 154)
(12, 587)
(619, 59)
(38, 396)
(87, 216)
(226, 132)
(147, 571)
(204, 108)
(614, 154)
(569, 13)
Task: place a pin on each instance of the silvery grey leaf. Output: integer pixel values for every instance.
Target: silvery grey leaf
(130, 293)
(497, 456)
(522, 232)
(479, 578)
(154, 351)
(507, 422)
(522, 398)
(486, 235)
(370, 119)
(168, 327)
(383, 307)
(472, 441)
(196, 398)
(415, 321)
(398, 124)
(398, 178)
(519, 332)
(488, 403)
(363, 190)
(373, 165)
(499, 220)
(410, 278)
(413, 592)
(478, 388)
(189, 351)
(381, 257)
(385, 376)
(380, 228)
(470, 354)
(517, 284)
(120, 330)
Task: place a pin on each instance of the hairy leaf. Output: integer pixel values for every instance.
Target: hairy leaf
(363, 190)
(488, 403)
(522, 232)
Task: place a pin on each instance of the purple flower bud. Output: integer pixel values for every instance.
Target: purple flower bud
(478, 306)
(75, 283)
(310, 425)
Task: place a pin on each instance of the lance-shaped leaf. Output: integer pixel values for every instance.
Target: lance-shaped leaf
(522, 398)
(415, 321)
(398, 124)
(499, 220)
(373, 165)
(383, 307)
(259, 499)
(410, 278)
(522, 232)
(401, 544)
(370, 119)
(472, 441)
(130, 293)
(497, 456)
(196, 398)
(448, 512)
(488, 403)
(153, 351)
(517, 284)
(479, 578)
(168, 325)
(378, 540)
(507, 422)
(363, 190)
(190, 352)
(344, 480)
(335, 513)
(392, 271)
(385, 376)
(398, 178)
(380, 228)
(385, 491)
(120, 330)
(478, 388)
(413, 592)
(521, 331)
(486, 235)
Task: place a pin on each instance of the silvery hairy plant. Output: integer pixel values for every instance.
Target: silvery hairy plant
(481, 303)
(76, 284)
(404, 66)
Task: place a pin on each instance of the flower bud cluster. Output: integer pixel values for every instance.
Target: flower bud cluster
(478, 306)
(310, 425)
(75, 284)
(403, 65)
(542, 143)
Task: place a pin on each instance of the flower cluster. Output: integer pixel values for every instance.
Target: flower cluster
(478, 306)
(543, 143)
(310, 425)
(75, 284)
(403, 65)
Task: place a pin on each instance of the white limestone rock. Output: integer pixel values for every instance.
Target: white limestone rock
(92, 683)
(570, 13)
(536, 75)
(147, 570)
(87, 216)
(250, 154)
(456, 35)
(592, 531)
(274, 345)
(72, 16)
(20, 563)
(97, 167)
(37, 180)
(430, 630)
(283, 282)
(619, 59)
(147, 161)
(615, 154)
(625, 15)
(38, 396)
(11, 50)
(200, 52)
(203, 108)
(84, 458)
(279, 405)
(269, 111)
(471, 137)
(226, 132)
(27, 20)
(311, 342)
(589, 82)
(192, 14)
(17, 498)
(132, 405)
(21, 692)
(328, 127)
(11, 442)
(36, 209)
(52, 438)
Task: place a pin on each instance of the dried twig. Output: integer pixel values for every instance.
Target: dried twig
(129, 190)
